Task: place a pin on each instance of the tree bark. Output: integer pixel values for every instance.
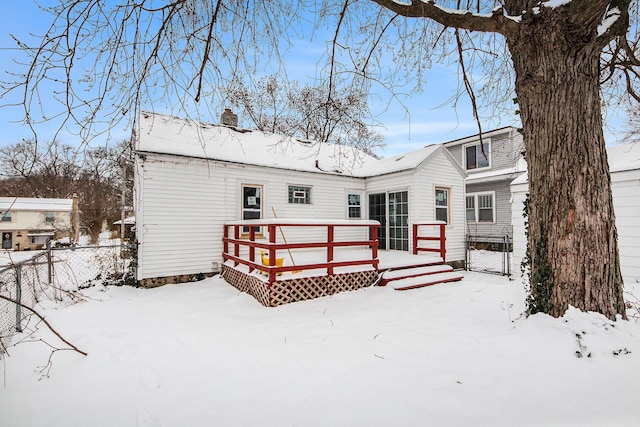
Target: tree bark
(572, 238)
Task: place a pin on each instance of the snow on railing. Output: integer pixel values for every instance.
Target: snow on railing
(260, 250)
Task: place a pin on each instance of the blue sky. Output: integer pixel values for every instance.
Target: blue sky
(431, 119)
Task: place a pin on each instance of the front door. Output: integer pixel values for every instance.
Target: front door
(251, 204)
(7, 240)
(392, 211)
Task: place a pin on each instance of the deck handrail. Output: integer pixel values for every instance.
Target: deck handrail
(234, 239)
(440, 238)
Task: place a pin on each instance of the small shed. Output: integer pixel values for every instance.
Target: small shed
(624, 166)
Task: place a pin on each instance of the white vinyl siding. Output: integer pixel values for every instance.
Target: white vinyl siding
(186, 202)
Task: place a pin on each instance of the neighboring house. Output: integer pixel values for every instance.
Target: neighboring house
(192, 178)
(489, 175)
(624, 166)
(29, 223)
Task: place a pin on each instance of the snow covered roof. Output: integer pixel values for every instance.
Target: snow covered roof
(130, 220)
(488, 134)
(183, 137)
(621, 158)
(34, 204)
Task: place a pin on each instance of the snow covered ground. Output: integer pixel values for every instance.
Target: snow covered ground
(202, 353)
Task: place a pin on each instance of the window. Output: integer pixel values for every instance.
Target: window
(480, 207)
(6, 217)
(471, 208)
(299, 195)
(475, 158)
(49, 217)
(442, 204)
(354, 205)
(251, 204)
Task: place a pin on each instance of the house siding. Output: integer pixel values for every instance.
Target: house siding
(175, 240)
(625, 188)
(506, 149)
(502, 224)
(421, 185)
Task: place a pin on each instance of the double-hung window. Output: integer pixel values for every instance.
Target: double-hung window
(354, 205)
(49, 217)
(442, 204)
(477, 156)
(480, 207)
(6, 216)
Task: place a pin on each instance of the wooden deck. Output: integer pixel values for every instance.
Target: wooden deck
(278, 272)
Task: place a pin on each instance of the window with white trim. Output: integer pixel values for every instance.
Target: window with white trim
(6, 216)
(299, 195)
(442, 204)
(480, 207)
(251, 204)
(49, 217)
(477, 156)
(354, 205)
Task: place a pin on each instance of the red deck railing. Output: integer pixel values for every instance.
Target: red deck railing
(438, 235)
(245, 234)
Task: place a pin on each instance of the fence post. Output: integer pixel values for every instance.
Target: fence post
(49, 263)
(467, 255)
(18, 297)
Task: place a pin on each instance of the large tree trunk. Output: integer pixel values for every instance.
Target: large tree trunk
(572, 238)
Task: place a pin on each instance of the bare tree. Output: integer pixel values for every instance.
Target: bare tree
(308, 112)
(57, 170)
(557, 58)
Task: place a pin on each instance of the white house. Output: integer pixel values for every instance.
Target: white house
(29, 223)
(624, 165)
(192, 178)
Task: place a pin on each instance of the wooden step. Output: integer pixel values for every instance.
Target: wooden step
(425, 280)
(405, 273)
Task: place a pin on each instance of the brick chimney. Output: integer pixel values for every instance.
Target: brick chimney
(228, 118)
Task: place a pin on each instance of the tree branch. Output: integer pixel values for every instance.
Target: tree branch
(495, 22)
(45, 322)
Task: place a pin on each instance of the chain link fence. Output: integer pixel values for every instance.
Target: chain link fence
(57, 274)
(489, 254)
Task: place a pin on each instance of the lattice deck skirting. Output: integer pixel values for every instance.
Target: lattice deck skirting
(293, 290)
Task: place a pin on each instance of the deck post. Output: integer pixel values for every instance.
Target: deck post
(252, 249)
(374, 246)
(236, 246)
(415, 239)
(443, 246)
(330, 234)
(272, 253)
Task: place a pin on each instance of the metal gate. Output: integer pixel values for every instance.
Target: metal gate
(489, 254)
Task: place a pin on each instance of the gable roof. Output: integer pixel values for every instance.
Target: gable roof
(183, 137)
(487, 134)
(34, 204)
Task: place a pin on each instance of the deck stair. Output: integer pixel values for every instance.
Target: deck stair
(418, 276)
